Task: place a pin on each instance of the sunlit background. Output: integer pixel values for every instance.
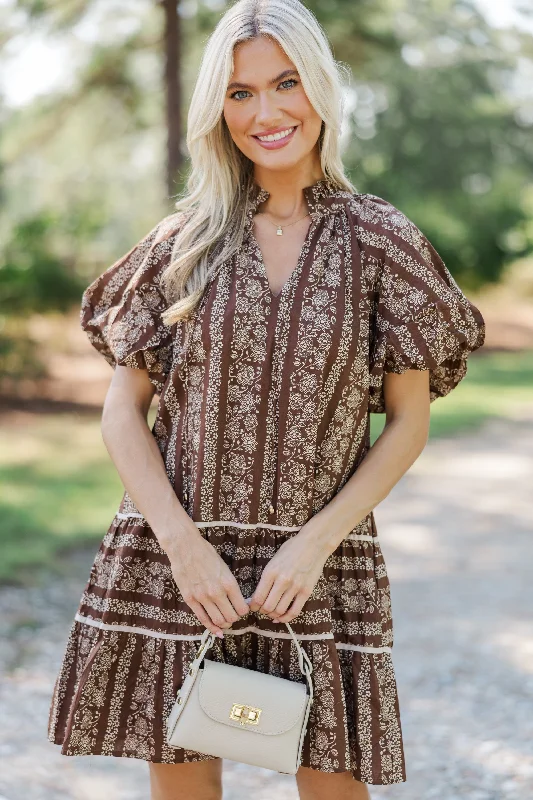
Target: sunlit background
(439, 121)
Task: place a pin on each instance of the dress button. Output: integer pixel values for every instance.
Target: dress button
(271, 508)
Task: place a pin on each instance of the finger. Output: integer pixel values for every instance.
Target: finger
(227, 610)
(215, 613)
(284, 602)
(294, 609)
(199, 611)
(237, 600)
(273, 598)
(261, 592)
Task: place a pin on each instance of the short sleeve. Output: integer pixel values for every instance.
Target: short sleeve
(121, 309)
(422, 318)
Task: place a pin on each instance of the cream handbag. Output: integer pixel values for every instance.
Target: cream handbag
(242, 714)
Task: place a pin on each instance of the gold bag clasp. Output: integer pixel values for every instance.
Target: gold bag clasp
(246, 715)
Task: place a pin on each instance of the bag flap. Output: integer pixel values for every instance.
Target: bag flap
(276, 703)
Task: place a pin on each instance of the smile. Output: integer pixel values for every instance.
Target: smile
(274, 137)
(275, 140)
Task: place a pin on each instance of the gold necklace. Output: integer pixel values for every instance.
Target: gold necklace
(279, 230)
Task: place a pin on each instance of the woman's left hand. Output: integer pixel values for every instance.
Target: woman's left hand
(290, 577)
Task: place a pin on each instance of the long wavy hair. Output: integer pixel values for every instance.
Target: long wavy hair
(211, 215)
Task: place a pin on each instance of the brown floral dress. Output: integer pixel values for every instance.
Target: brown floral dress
(278, 390)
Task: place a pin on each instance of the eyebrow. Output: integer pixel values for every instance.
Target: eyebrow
(284, 74)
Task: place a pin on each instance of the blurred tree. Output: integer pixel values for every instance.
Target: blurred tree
(438, 129)
(35, 274)
(172, 39)
(110, 65)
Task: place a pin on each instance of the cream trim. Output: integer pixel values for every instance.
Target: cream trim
(220, 522)
(193, 637)
(96, 623)
(247, 525)
(251, 526)
(362, 649)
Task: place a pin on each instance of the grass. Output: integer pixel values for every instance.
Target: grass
(496, 385)
(59, 489)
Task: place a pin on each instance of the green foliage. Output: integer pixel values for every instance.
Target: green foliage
(437, 123)
(41, 265)
(437, 132)
(51, 471)
(32, 276)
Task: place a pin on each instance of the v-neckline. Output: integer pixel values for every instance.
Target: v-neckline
(299, 263)
(317, 196)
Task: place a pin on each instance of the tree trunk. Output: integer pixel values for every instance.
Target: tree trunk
(172, 73)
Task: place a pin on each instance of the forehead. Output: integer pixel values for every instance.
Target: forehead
(259, 60)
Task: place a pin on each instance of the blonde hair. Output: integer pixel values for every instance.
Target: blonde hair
(214, 208)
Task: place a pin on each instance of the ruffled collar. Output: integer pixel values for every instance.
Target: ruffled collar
(315, 195)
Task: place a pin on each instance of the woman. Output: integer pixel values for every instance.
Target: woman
(271, 313)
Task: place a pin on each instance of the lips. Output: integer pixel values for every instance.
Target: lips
(276, 143)
(274, 132)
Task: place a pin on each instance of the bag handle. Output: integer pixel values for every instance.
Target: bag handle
(304, 662)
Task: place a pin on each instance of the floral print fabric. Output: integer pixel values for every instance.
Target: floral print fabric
(264, 426)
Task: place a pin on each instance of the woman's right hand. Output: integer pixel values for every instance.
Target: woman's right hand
(207, 584)
(203, 577)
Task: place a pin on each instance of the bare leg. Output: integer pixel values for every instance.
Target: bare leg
(316, 785)
(194, 780)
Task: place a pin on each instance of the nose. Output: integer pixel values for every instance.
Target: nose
(268, 114)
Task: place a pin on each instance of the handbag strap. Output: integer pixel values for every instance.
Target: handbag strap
(304, 662)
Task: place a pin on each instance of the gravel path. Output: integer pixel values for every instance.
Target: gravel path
(456, 534)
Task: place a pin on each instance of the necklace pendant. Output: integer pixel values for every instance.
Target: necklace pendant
(279, 231)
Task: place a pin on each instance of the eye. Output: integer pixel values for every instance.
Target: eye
(289, 80)
(233, 95)
(239, 91)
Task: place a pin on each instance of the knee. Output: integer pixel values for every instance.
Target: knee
(314, 784)
(199, 779)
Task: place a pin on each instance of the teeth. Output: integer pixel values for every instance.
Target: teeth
(273, 137)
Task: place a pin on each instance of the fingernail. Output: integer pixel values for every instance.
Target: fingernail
(220, 634)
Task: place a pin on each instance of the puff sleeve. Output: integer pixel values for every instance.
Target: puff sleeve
(121, 309)
(422, 318)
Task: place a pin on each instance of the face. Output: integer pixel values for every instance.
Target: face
(265, 95)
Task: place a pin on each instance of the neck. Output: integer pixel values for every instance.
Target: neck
(286, 199)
